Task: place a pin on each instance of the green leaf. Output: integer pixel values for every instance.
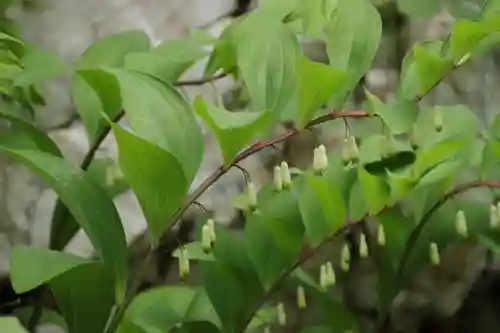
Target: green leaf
(274, 243)
(315, 16)
(31, 267)
(444, 170)
(95, 92)
(168, 61)
(111, 50)
(155, 176)
(423, 68)
(12, 325)
(317, 83)
(88, 202)
(322, 207)
(28, 129)
(399, 115)
(352, 39)
(424, 9)
(224, 54)
(234, 130)
(39, 66)
(163, 308)
(234, 270)
(376, 191)
(85, 296)
(158, 113)
(465, 36)
(266, 55)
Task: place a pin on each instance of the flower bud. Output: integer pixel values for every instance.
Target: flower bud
(286, 177)
(363, 246)
(494, 217)
(353, 149)
(211, 225)
(434, 254)
(323, 279)
(183, 263)
(345, 258)
(281, 314)
(206, 238)
(437, 119)
(331, 280)
(267, 329)
(320, 160)
(252, 195)
(278, 180)
(301, 297)
(346, 156)
(461, 224)
(381, 235)
(414, 138)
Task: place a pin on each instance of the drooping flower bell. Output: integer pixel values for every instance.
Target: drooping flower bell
(320, 160)
(353, 149)
(281, 314)
(346, 156)
(277, 179)
(363, 246)
(323, 282)
(437, 119)
(183, 263)
(494, 217)
(461, 224)
(208, 235)
(345, 258)
(301, 298)
(331, 279)
(380, 235)
(434, 254)
(252, 196)
(286, 177)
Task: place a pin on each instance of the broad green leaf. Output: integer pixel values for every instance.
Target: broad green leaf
(274, 243)
(445, 170)
(234, 270)
(352, 39)
(432, 156)
(12, 325)
(315, 15)
(224, 54)
(95, 92)
(234, 130)
(430, 67)
(322, 207)
(31, 267)
(465, 35)
(357, 203)
(424, 9)
(25, 127)
(90, 205)
(111, 50)
(168, 61)
(376, 191)
(266, 55)
(107, 173)
(85, 296)
(158, 113)
(423, 67)
(317, 83)
(399, 115)
(163, 308)
(155, 176)
(48, 316)
(39, 66)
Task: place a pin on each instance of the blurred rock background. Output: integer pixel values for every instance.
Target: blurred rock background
(68, 27)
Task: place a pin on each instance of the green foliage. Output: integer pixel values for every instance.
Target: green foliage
(400, 175)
